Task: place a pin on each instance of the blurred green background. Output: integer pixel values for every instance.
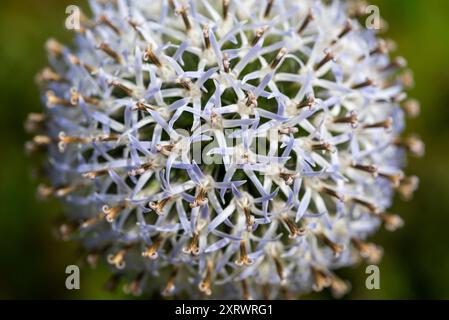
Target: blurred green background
(33, 261)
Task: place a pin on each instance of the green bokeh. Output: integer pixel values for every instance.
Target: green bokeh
(33, 261)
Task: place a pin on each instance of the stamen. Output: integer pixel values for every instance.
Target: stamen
(368, 251)
(280, 55)
(363, 84)
(92, 221)
(370, 206)
(226, 63)
(45, 192)
(94, 174)
(279, 270)
(108, 50)
(159, 206)
(249, 218)
(64, 191)
(76, 61)
(321, 279)
(346, 29)
(308, 102)
(243, 259)
(193, 247)
(333, 193)
(289, 178)
(225, 5)
(142, 169)
(134, 287)
(328, 57)
(251, 100)
(200, 199)
(394, 178)
(117, 259)
(266, 291)
(412, 108)
(371, 169)
(293, 229)
(171, 4)
(325, 146)
(336, 248)
(339, 287)
(259, 34)
(352, 119)
(53, 100)
(412, 144)
(305, 23)
(392, 222)
(206, 37)
(170, 287)
(48, 75)
(185, 18)
(407, 187)
(112, 213)
(268, 8)
(165, 149)
(186, 83)
(397, 63)
(386, 124)
(205, 284)
(245, 291)
(150, 56)
(54, 47)
(104, 20)
(151, 252)
(121, 87)
(75, 96)
(64, 140)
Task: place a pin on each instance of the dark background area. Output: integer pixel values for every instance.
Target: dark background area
(33, 261)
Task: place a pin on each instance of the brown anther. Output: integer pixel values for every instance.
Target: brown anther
(397, 63)
(225, 8)
(206, 36)
(117, 259)
(289, 178)
(226, 63)
(64, 140)
(288, 130)
(54, 47)
(249, 218)
(35, 122)
(121, 87)
(412, 144)
(165, 149)
(346, 29)
(76, 61)
(251, 99)
(333, 193)
(171, 4)
(53, 100)
(75, 96)
(143, 168)
(205, 285)
(159, 206)
(200, 199)
(65, 231)
(352, 119)
(266, 291)
(392, 222)
(111, 213)
(45, 192)
(245, 290)
(42, 140)
(268, 8)
(407, 187)
(339, 287)
(185, 17)
(381, 48)
(337, 249)
(293, 229)
(386, 124)
(280, 55)
(279, 270)
(412, 108)
(407, 79)
(325, 146)
(151, 251)
(243, 256)
(186, 83)
(305, 23)
(368, 251)
(64, 191)
(321, 279)
(308, 102)
(48, 75)
(327, 57)
(170, 287)
(92, 260)
(108, 50)
(371, 169)
(370, 206)
(394, 178)
(150, 56)
(105, 20)
(193, 247)
(94, 174)
(92, 221)
(364, 84)
(259, 34)
(134, 287)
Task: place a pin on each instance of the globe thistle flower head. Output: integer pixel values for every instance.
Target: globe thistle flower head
(231, 149)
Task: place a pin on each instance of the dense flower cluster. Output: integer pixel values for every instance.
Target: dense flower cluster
(233, 148)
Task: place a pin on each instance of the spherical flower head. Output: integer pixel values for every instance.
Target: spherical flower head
(225, 148)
